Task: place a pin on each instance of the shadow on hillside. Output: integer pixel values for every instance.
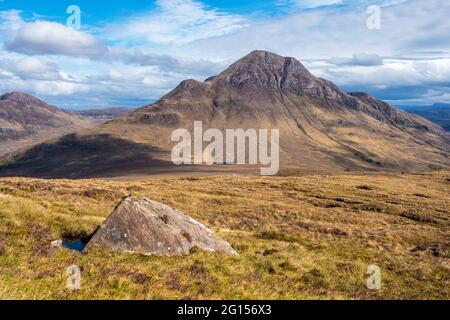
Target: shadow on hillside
(74, 156)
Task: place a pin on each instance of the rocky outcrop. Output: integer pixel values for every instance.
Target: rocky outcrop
(140, 225)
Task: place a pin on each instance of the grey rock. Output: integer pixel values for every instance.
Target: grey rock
(143, 226)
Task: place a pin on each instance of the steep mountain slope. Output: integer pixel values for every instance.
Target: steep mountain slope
(321, 127)
(25, 120)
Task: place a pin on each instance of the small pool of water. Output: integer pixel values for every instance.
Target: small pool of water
(76, 245)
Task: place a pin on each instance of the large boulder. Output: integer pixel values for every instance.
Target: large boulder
(140, 225)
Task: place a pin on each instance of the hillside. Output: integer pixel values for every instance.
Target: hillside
(26, 120)
(321, 127)
(305, 237)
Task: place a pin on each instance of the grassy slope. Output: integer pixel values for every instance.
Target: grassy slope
(298, 238)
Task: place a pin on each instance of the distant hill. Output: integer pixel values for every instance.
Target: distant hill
(26, 120)
(322, 128)
(102, 115)
(438, 113)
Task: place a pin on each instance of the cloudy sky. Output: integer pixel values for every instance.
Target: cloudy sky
(130, 53)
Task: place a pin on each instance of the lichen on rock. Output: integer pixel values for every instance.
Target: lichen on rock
(144, 226)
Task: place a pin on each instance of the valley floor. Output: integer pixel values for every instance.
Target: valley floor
(304, 237)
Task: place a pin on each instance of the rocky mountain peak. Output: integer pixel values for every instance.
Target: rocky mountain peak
(266, 70)
(262, 68)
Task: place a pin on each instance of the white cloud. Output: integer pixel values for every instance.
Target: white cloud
(406, 60)
(50, 38)
(309, 4)
(393, 72)
(358, 59)
(399, 81)
(60, 88)
(337, 32)
(36, 75)
(164, 62)
(9, 21)
(29, 68)
(175, 22)
(42, 87)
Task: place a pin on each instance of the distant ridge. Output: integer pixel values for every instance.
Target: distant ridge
(103, 114)
(438, 113)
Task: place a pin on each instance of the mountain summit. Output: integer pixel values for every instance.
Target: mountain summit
(268, 71)
(265, 69)
(321, 127)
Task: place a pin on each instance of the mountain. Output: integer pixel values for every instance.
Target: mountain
(438, 113)
(26, 120)
(102, 115)
(322, 128)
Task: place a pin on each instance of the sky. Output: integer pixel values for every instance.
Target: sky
(130, 53)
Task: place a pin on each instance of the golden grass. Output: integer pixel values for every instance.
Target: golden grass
(305, 237)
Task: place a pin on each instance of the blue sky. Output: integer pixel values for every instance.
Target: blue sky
(130, 53)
